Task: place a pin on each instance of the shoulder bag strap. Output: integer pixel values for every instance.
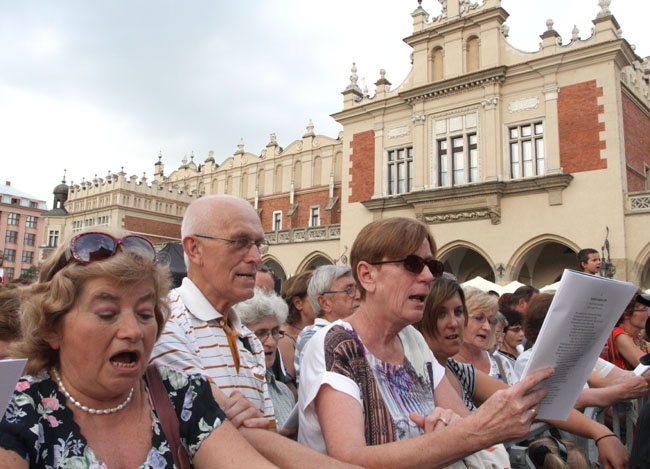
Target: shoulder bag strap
(167, 416)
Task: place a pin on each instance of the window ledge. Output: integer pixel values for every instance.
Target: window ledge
(470, 201)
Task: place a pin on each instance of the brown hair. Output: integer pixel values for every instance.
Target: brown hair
(442, 290)
(537, 309)
(391, 238)
(296, 286)
(9, 316)
(45, 303)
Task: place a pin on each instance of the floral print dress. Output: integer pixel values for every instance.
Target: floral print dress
(39, 426)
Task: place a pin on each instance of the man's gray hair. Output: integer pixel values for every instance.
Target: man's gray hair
(262, 305)
(321, 281)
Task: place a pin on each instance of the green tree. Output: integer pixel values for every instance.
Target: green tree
(31, 273)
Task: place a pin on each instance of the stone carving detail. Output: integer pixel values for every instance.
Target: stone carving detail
(641, 202)
(604, 8)
(494, 214)
(398, 132)
(523, 104)
(467, 5)
(490, 103)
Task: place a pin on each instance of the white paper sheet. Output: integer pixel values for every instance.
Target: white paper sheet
(10, 371)
(581, 316)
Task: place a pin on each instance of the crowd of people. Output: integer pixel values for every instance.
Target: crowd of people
(387, 362)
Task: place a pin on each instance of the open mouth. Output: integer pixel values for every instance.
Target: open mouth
(125, 359)
(419, 298)
(247, 276)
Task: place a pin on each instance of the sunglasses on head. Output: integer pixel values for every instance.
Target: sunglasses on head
(87, 248)
(415, 264)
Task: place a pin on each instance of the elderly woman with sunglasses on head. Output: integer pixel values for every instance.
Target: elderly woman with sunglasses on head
(372, 392)
(263, 314)
(89, 326)
(480, 334)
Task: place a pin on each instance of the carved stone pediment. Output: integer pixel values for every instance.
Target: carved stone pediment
(460, 209)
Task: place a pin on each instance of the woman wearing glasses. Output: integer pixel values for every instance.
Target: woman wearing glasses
(263, 314)
(480, 334)
(372, 392)
(89, 326)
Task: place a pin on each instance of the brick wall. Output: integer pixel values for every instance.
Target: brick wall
(362, 167)
(145, 226)
(636, 132)
(300, 218)
(580, 143)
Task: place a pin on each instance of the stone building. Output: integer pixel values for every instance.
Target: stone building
(20, 231)
(515, 159)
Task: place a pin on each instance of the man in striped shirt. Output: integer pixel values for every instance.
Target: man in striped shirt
(223, 242)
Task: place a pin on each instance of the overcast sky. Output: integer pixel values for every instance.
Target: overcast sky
(91, 86)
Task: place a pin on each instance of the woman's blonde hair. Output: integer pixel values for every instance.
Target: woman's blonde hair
(551, 453)
(478, 300)
(44, 304)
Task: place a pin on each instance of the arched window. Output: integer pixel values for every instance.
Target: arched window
(260, 182)
(278, 178)
(244, 185)
(317, 170)
(437, 64)
(297, 175)
(472, 54)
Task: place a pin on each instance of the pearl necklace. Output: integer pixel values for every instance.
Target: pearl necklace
(86, 408)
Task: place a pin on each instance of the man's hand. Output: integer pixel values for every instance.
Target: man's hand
(239, 410)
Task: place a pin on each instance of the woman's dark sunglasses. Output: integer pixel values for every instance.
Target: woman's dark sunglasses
(86, 248)
(415, 264)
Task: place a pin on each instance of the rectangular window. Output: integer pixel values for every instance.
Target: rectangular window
(400, 170)
(9, 273)
(526, 143)
(11, 237)
(13, 219)
(461, 165)
(53, 238)
(277, 220)
(30, 239)
(10, 255)
(28, 257)
(30, 222)
(15, 201)
(314, 216)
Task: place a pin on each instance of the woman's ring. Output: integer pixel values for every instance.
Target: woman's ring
(443, 420)
(533, 410)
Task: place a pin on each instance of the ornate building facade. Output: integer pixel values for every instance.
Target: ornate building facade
(515, 159)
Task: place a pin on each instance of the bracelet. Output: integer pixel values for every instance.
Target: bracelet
(604, 436)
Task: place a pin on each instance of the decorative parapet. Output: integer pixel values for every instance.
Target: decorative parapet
(471, 201)
(638, 202)
(303, 235)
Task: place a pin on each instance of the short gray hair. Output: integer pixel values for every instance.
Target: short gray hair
(321, 281)
(262, 305)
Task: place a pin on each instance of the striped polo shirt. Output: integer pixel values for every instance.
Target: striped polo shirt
(194, 341)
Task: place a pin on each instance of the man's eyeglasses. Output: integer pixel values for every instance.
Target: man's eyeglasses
(351, 291)
(241, 244)
(481, 318)
(264, 334)
(415, 264)
(86, 248)
(515, 329)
